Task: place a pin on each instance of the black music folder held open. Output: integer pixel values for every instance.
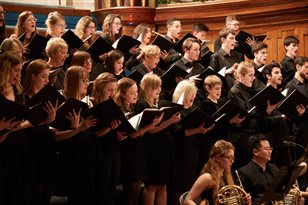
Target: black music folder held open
(243, 46)
(136, 76)
(168, 78)
(10, 109)
(125, 43)
(37, 46)
(269, 93)
(36, 104)
(178, 46)
(99, 47)
(288, 105)
(54, 72)
(195, 118)
(62, 122)
(107, 111)
(163, 43)
(72, 40)
(229, 110)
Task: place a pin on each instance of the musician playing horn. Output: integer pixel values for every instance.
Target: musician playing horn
(258, 174)
(215, 174)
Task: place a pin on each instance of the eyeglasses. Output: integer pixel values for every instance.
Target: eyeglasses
(2, 12)
(61, 25)
(117, 24)
(230, 158)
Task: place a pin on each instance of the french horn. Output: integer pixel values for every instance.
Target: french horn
(231, 195)
(292, 198)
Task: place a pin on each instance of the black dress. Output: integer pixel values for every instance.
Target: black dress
(18, 172)
(156, 152)
(133, 162)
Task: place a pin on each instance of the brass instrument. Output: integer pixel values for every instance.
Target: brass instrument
(232, 194)
(292, 198)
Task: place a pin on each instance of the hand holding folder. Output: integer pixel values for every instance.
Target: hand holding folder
(107, 111)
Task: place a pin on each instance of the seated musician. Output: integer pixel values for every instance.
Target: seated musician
(215, 174)
(258, 174)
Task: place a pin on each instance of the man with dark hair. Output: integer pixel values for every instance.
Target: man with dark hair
(173, 34)
(259, 50)
(275, 124)
(258, 174)
(291, 45)
(233, 22)
(226, 57)
(199, 30)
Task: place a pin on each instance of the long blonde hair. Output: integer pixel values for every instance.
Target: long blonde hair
(220, 148)
(149, 83)
(8, 60)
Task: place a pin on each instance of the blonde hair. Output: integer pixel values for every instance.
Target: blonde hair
(72, 79)
(122, 86)
(8, 60)
(210, 81)
(82, 24)
(219, 149)
(231, 18)
(150, 50)
(100, 84)
(242, 69)
(54, 44)
(34, 68)
(184, 87)
(53, 18)
(148, 83)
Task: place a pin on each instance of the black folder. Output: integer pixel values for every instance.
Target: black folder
(10, 109)
(146, 117)
(136, 76)
(288, 105)
(229, 110)
(36, 104)
(179, 44)
(269, 93)
(205, 56)
(62, 122)
(107, 111)
(243, 46)
(207, 72)
(168, 78)
(195, 118)
(54, 72)
(48, 93)
(37, 46)
(72, 40)
(169, 108)
(282, 183)
(163, 43)
(99, 47)
(124, 43)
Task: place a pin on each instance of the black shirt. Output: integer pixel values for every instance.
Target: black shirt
(256, 181)
(222, 59)
(288, 69)
(193, 68)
